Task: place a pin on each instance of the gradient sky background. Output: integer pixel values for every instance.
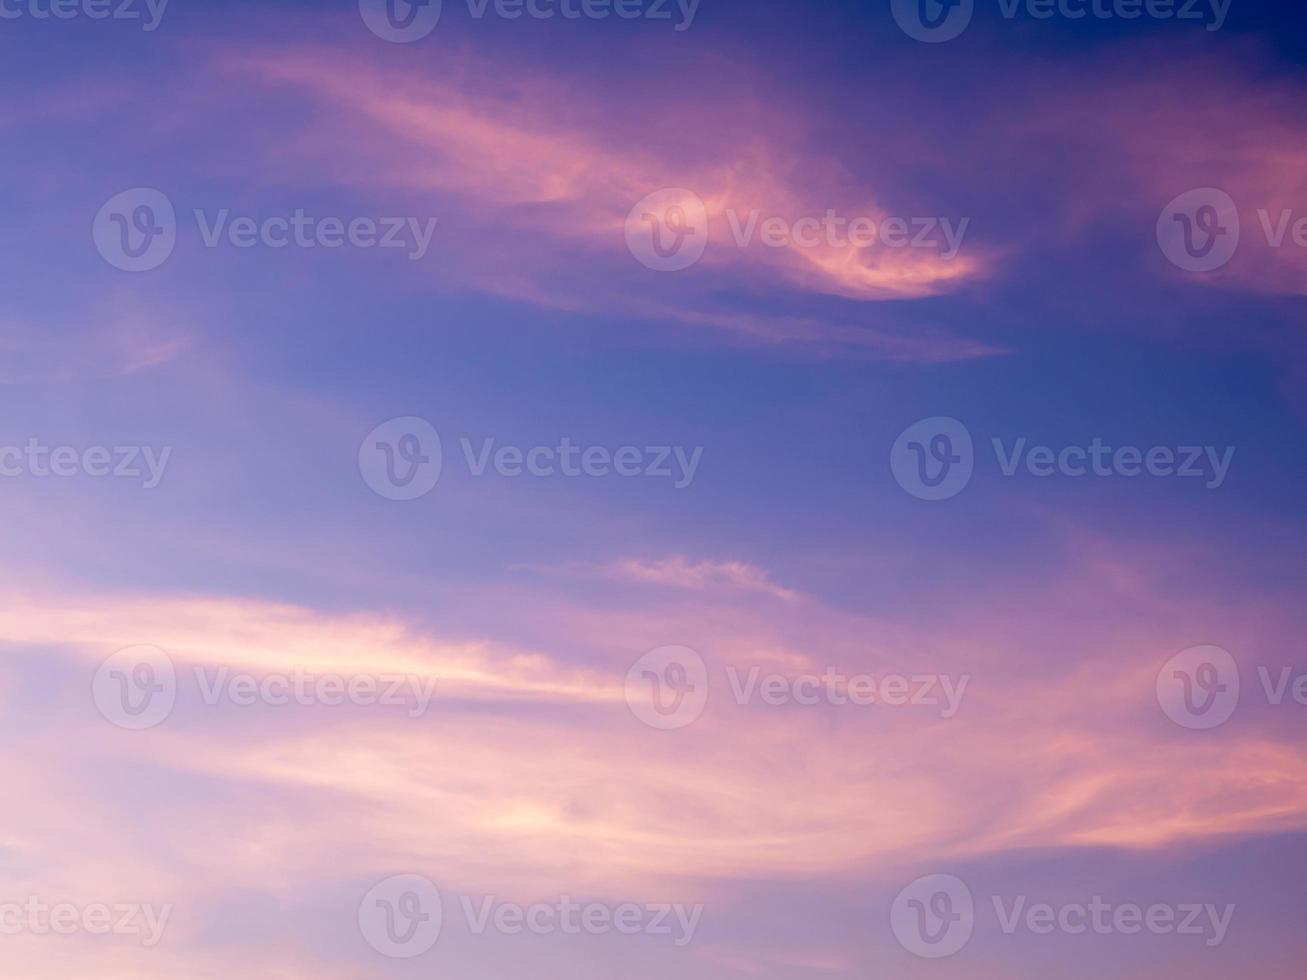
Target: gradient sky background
(794, 549)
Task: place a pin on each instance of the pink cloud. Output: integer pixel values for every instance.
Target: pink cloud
(887, 784)
(529, 776)
(552, 182)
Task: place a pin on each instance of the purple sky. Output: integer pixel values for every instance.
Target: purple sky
(715, 474)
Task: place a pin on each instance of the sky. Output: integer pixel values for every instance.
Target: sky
(639, 488)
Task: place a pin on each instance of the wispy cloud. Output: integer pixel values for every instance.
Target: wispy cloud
(867, 787)
(701, 576)
(546, 172)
